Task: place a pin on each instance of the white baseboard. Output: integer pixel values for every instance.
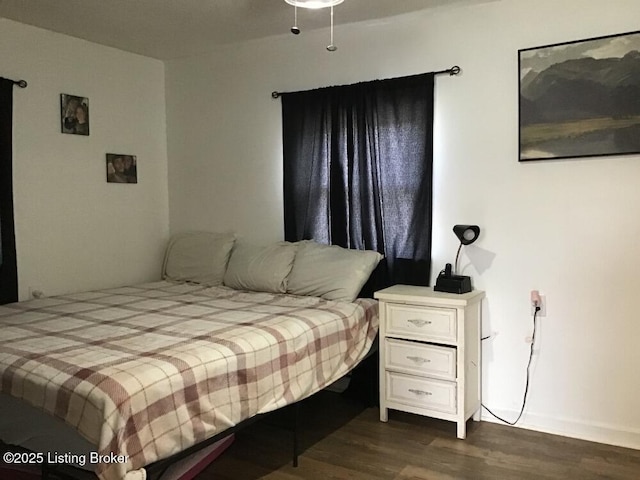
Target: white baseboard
(568, 427)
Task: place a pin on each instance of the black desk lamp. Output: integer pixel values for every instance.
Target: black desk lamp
(449, 281)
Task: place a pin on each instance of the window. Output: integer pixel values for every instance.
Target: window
(358, 170)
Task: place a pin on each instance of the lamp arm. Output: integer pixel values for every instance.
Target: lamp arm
(455, 265)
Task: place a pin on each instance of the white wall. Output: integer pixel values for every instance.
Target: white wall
(568, 228)
(73, 230)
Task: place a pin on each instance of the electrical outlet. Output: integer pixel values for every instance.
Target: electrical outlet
(540, 301)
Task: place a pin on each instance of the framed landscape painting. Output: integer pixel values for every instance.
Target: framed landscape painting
(580, 99)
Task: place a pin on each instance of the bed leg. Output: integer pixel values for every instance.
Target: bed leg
(296, 408)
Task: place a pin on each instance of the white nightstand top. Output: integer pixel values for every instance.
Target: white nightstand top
(415, 294)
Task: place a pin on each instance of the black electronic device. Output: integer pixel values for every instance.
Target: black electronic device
(450, 283)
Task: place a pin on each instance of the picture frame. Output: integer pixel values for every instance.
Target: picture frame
(580, 98)
(74, 114)
(122, 168)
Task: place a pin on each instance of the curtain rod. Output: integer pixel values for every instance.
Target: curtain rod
(20, 83)
(455, 70)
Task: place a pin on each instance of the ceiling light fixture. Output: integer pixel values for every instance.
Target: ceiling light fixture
(314, 5)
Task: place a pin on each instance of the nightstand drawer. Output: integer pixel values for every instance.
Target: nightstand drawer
(420, 323)
(420, 359)
(421, 392)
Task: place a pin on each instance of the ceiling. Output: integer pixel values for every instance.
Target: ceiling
(166, 29)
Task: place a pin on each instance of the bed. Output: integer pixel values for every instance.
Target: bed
(140, 373)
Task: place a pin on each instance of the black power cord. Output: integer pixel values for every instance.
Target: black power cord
(526, 388)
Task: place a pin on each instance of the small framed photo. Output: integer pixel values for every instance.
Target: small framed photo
(122, 168)
(74, 114)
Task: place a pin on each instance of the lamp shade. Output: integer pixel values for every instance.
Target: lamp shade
(467, 233)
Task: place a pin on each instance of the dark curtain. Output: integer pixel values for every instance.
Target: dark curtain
(8, 268)
(358, 171)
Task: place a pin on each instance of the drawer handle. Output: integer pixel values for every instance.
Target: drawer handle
(419, 360)
(420, 392)
(418, 322)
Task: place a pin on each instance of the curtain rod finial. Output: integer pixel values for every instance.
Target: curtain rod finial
(275, 94)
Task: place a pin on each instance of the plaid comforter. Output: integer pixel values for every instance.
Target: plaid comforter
(149, 370)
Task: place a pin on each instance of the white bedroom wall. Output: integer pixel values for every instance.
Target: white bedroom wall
(568, 228)
(73, 230)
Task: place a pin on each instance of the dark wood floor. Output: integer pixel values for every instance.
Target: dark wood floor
(342, 440)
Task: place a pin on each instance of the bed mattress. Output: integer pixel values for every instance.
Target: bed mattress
(147, 371)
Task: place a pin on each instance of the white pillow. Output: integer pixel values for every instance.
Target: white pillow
(331, 272)
(260, 268)
(199, 257)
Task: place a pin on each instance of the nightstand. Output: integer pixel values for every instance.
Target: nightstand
(430, 353)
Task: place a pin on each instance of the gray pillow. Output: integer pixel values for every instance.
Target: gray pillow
(199, 257)
(260, 268)
(331, 272)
